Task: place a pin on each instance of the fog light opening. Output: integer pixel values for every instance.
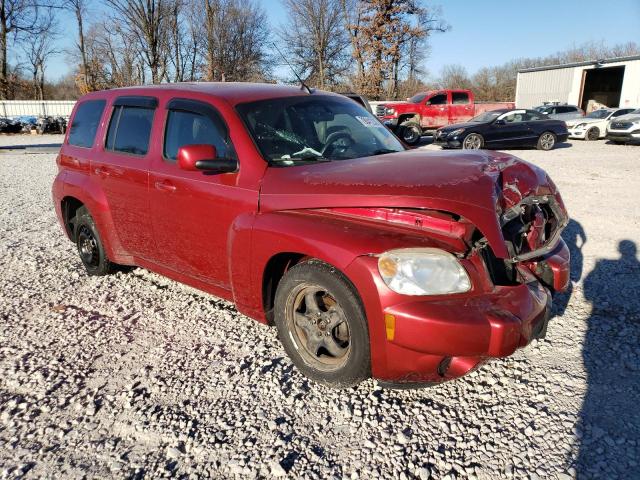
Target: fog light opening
(444, 365)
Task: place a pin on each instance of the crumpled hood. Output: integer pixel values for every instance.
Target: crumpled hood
(472, 184)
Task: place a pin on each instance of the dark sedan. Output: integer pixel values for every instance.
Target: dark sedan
(504, 128)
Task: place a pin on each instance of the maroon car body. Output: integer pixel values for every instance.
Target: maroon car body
(235, 234)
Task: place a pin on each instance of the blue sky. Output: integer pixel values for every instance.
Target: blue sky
(491, 32)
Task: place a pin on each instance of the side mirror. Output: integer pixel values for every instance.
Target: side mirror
(500, 122)
(204, 158)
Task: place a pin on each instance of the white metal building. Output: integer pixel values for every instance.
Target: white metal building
(54, 108)
(613, 82)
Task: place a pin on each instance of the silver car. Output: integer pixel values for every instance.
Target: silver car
(560, 112)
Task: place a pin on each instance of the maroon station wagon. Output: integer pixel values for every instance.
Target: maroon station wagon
(300, 207)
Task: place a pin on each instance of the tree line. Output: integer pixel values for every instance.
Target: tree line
(375, 47)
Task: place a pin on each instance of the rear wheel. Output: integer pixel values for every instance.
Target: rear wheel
(593, 134)
(473, 141)
(410, 133)
(90, 246)
(546, 141)
(322, 325)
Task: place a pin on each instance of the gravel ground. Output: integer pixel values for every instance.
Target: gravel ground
(134, 375)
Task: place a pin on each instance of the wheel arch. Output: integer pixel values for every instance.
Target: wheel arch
(70, 205)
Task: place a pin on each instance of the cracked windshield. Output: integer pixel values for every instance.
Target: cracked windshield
(312, 128)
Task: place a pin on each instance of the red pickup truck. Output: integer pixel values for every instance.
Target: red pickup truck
(303, 210)
(432, 110)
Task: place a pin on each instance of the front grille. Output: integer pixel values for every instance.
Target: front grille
(532, 228)
(621, 125)
(380, 110)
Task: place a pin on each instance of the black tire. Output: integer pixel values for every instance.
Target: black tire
(592, 134)
(410, 133)
(473, 141)
(546, 141)
(336, 322)
(89, 244)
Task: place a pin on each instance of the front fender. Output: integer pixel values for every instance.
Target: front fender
(336, 240)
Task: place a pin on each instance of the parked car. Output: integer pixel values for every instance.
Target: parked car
(431, 110)
(28, 123)
(625, 129)
(9, 125)
(594, 125)
(560, 112)
(504, 128)
(50, 124)
(413, 267)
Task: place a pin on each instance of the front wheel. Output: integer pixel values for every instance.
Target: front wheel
(322, 325)
(473, 141)
(546, 141)
(410, 133)
(593, 134)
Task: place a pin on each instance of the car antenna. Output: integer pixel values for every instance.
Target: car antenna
(303, 86)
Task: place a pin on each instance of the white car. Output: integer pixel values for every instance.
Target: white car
(594, 125)
(625, 128)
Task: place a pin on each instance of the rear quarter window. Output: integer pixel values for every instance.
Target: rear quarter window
(82, 132)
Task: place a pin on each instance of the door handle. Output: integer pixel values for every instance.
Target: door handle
(102, 172)
(165, 186)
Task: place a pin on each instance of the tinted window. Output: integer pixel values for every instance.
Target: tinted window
(459, 97)
(85, 123)
(622, 112)
(440, 99)
(190, 128)
(130, 129)
(515, 117)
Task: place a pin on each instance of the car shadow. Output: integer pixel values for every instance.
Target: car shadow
(575, 237)
(609, 425)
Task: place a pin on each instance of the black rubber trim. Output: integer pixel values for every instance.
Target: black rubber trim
(136, 101)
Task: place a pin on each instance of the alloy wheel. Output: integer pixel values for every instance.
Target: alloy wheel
(318, 327)
(547, 141)
(472, 142)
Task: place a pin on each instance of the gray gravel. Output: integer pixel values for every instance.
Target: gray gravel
(134, 375)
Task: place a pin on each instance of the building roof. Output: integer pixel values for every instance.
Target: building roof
(581, 64)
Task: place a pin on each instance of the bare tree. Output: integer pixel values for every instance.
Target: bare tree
(38, 49)
(80, 8)
(184, 42)
(236, 36)
(316, 40)
(17, 19)
(146, 22)
(454, 76)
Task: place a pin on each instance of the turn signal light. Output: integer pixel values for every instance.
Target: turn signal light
(390, 325)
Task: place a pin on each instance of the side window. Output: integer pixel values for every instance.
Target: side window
(439, 99)
(515, 118)
(621, 112)
(458, 98)
(191, 128)
(130, 129)
(533, 116)
(85, 123)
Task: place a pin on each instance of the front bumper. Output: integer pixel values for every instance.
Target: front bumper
(577, 133)
(446, 141)
(624, 135)
(440, 338)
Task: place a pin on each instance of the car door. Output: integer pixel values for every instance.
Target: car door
(509, 129)
(121, 169)
(436, 111)
(192, 211)
(461, 107)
